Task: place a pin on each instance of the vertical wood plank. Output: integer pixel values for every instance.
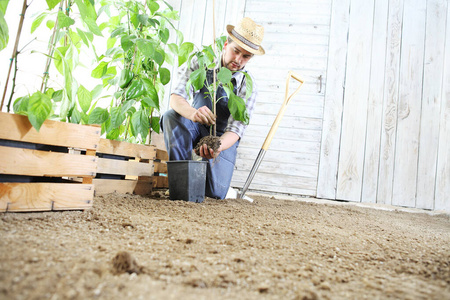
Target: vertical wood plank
(354, 121)
(442, 198)
(176, 4)
(334, 94)
(431, 101)
(409, 104)
(375, 105)
(219, 15)
(235, 11)
(391, 86)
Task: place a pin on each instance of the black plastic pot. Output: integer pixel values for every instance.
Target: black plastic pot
(187, 180)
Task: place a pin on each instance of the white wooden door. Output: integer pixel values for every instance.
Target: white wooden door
(387, 141)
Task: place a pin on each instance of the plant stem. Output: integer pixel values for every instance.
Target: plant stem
(215, 66)
(51, 49)
(8, 106)
(14, 54)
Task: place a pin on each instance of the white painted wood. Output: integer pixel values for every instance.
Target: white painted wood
(391, 90)
(409, 105)
(375, 104)
(431, 102)
(442, 198)
(337, 53)
(296, 38)
(351, 156)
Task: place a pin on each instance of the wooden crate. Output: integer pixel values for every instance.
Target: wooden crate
(160, 179)
(124, 168)
(35, 166)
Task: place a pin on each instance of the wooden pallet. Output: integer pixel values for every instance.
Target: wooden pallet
(35, 167)
(124, 168)
(160, 179)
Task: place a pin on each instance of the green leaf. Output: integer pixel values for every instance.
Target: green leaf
(126, 42)
(50, 24)
(164, 35)
(146, 47)
(38, 21)
(83, 36)
(173, 48)
(151, 92)
(52, 3)
(57, 95)
(155, 124)
(153, 6)
(117, 117)
(140, 124)
(248, 85)
(237, 108)
(76, 116)
(150, 103)
(39, 109)
(100, 70)
(64, 21)
(3, 6)
(59, 58)
(92, 25)
(127, 105)
(97, 91)
(159, 56)
(184, 52)
(4, 32)
(224, 75)
(20, 105)
(98, 116)
(198, 78)
(84, 98)
(164, 75)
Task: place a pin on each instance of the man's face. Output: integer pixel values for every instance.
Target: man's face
(234, 56)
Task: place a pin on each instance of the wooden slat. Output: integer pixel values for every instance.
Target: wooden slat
(354, 120)
(45, 196)
(162, 154)
(18, 128)
(160, 182)
(18, 161)
(137, 187)
(391, 90)
(160, 167)
(375, 105)
(431, 106)
(409, 104)
(127, 149)
(332, 116)
(121, 167)
(442, 198)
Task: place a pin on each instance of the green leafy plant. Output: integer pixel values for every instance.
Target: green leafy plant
(207, 59)
(131, 72)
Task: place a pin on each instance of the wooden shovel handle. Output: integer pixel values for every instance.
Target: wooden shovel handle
(287, 98)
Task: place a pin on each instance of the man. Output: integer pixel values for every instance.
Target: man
(184, 125)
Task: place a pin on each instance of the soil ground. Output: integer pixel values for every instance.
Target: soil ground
(229, 249)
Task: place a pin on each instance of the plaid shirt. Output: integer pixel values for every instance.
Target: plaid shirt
(234, 126)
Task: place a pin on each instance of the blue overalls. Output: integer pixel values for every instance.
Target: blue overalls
(181, 135)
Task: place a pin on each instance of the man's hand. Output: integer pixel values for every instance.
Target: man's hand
(204, 115)
(208, 153)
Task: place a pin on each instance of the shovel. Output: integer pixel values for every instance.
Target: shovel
(271, 133)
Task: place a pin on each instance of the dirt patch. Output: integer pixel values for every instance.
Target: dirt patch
(211, 141)
(152, 248)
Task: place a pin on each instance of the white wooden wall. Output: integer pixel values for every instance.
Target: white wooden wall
(386, 132)
(378, 129)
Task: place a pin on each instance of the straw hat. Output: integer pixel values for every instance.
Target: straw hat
(248, 35)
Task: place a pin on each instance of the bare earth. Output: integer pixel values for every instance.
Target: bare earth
(132, 247)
